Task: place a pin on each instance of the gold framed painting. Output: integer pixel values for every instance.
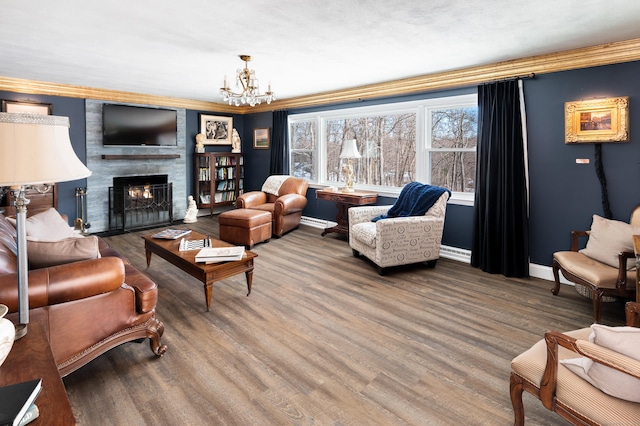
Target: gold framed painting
(597, 120)
(261, 138)
(26, 107)
(216, 130)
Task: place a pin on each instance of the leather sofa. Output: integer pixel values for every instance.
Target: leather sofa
(285, 206)
(86, 307)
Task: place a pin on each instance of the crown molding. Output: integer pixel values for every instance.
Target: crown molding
(604, 54)
(57, 89)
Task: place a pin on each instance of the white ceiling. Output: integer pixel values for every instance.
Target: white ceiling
(185, 48)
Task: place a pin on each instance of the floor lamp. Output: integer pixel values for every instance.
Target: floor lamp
(35, 152)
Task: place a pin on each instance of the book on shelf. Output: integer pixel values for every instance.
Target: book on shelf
(220, 254)
(16, 399)
(31, 414)
(172, 234)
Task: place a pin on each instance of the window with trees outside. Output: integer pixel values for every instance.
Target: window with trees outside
(431, 141)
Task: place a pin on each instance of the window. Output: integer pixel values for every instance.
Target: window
(431, 141)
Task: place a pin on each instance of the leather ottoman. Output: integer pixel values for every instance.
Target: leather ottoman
(245, 226)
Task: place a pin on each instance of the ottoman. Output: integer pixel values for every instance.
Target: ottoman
(245, 226)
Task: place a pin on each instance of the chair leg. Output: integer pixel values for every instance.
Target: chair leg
(516, 386)
(556, 277)
(596, 295)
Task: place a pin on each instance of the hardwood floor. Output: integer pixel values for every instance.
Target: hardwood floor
(324, 340)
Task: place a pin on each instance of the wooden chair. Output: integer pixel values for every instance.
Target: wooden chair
(539, 372)
(595, 278)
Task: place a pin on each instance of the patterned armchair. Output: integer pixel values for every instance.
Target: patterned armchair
(399, 240)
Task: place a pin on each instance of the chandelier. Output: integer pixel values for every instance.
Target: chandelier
(247, 81)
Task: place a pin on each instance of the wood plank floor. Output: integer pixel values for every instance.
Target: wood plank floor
(324, 340)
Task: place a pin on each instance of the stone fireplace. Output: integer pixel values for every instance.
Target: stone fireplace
(137, 202)
(107, 163)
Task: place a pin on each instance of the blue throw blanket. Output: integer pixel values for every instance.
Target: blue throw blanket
(414, 200)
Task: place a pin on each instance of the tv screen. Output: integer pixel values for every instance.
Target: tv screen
(138, 126)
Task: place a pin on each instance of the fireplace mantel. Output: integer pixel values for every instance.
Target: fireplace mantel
(140, 156)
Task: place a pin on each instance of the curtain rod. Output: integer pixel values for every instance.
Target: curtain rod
(517, 77)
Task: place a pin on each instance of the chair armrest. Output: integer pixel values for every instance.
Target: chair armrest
(575, 239)
(145, 289)
(289, 203)
(385, 227)
(63, 283)
(365, 213)
(251, 199)
(585, 348)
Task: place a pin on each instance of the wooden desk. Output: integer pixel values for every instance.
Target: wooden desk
(636, 249)
(31, 358)
(344, 201)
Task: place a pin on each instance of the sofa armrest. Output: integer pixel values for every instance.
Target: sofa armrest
(145, 289)
(63, 283)
(289, 203)
(365, 213)
(251, 199)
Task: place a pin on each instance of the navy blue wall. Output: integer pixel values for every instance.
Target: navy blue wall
(564, 195)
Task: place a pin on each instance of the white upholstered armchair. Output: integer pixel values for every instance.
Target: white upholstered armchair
(398, 240)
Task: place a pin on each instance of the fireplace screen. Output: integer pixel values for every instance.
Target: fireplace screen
(140, 202)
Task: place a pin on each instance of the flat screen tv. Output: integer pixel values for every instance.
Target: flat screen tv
(124, 125)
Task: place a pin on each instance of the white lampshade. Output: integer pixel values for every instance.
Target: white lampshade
(36, 149)
(349, 149)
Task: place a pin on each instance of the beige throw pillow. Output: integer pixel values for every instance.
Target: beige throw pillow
(608, 238)
(47, 226)
(42, 254)
(624, 340)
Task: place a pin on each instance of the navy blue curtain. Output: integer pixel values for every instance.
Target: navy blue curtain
(501, 222)
(279, 144)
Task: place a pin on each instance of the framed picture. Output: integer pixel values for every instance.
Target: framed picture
(26, 107)
(216, 130)
(597, 120)
(261, 138)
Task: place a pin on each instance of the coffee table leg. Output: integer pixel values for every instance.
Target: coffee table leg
(249, 275)
(148, 253)
(207, 294)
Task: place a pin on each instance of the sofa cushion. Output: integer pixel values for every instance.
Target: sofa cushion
(42, 254)
(608, 238)
(46, 226)
(623, 340)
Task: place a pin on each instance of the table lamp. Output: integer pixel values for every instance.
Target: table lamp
(349, 151)
(35, 151)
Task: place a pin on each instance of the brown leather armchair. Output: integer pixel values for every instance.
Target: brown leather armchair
(86, 307)
(285, 207)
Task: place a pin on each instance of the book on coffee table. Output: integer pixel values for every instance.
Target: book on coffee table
(16, 399)
(172, 234)
(220, 254)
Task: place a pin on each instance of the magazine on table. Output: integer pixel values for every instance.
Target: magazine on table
(220, 254)
(172, 234)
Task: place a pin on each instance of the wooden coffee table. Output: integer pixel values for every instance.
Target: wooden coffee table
(206, 273)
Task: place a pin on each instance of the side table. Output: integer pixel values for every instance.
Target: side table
(345, 200)
(31, 358)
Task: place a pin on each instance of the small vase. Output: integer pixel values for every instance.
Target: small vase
(7, 334)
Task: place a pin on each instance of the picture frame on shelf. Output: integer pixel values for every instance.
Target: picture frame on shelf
(597, 120)
(261, 139)
(26, 107)
(217, 130)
